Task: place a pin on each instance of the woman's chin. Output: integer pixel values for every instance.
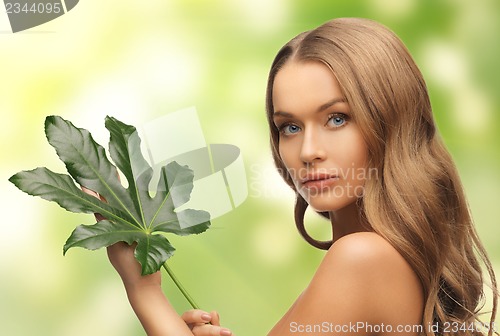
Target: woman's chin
(328, 203)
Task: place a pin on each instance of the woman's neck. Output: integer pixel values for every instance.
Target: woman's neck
(347, 220)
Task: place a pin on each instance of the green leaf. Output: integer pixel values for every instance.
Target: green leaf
(132, 214)
(87, 163)
(125, 150)
(152, 251)
(61, 189)
(103, 233)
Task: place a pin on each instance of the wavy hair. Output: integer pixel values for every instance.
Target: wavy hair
(417, 202)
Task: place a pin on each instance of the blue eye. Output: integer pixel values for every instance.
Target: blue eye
(289, 129)
(337, 120)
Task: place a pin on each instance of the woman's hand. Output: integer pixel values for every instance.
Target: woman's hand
(202, 323)
(146, 297)
(121, 256)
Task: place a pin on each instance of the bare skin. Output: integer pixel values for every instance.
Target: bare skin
(361, 279)
(153, 309)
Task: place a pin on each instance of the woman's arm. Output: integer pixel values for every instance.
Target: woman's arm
(145, 294)
(154, 311)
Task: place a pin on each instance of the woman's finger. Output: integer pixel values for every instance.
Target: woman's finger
(215, 318)
(90, 192)
(196, 316)
(211, 330)
(97, 216)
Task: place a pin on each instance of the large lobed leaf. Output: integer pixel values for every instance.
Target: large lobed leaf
(132, 214)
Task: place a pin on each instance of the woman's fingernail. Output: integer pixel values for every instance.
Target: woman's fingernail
(225, 332)
(206, 317)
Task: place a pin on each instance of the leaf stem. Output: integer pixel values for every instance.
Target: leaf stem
(179, 285)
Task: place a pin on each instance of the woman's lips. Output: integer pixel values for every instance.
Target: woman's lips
(319, 181)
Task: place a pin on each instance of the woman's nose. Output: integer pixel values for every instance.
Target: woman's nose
(313, 149)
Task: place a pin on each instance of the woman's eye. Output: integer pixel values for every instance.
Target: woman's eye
(289, 129)
(337, 120)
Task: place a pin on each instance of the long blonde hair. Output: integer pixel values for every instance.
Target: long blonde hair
(417, 203)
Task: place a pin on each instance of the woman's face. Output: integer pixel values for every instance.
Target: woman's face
(319, 142)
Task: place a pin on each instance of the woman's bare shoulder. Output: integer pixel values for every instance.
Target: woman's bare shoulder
(362, 279)
(384, 280)
(364, 248)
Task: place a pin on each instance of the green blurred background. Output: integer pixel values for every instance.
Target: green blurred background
(137, 60)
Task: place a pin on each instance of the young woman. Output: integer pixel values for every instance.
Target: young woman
(352, 134)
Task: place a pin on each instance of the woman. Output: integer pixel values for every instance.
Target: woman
(352, 134)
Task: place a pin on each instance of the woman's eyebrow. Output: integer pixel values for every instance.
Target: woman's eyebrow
(331, 103)
(282, 114)
(321, 108)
